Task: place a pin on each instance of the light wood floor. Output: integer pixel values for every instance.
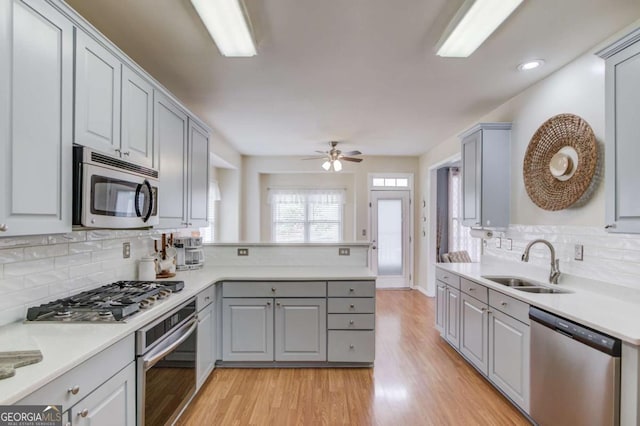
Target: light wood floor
(417, 380)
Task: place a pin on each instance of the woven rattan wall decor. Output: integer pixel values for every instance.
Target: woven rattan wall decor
(560, 162)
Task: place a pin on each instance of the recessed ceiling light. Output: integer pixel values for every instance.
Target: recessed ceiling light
(529, 65)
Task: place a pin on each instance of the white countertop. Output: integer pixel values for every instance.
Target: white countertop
(599, 307)
(65, 346)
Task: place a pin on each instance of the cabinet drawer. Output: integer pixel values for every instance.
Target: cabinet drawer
(274, 289)
(205, 297)
(86, 376)
(351, 288)
(351, 346)
(351, 321)
(476, 290)
(448, 277)
(345, 305)
(509, 305)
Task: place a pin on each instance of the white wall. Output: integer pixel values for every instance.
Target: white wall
(254, 167)
(577, 88)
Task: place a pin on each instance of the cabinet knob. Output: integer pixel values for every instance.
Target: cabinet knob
(4, 227)
(351, 290)
(351, 322)
(503, 303)
(610, 226)
(74, 390)
(84, 413)
(483, 309)
(278, 304)
(117, 150)
(206, 298)
(352, 306)
(268, 303)
(472, 289)
(273, 289)
(351, 346)
(126, 153)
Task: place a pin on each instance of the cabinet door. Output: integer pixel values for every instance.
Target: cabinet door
(170, 138)
(301, 330)
(440, 306)
(472, 179)
(36, 104)
(97, 104)
(509, 357)
(623, 125)
(452, 326)
(474, 330)
(137, 119)
(247, 330)
(113, 403)
(198, 182)
(205, 345)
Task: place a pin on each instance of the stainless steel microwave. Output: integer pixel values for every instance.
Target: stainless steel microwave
(112, 193)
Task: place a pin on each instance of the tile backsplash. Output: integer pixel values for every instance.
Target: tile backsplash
(608, 257)
(37, 269)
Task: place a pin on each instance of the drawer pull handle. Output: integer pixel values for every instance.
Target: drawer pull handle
(351, 290)
(503, 303)
(273, 289)
(351, 322)
(84, 413)
(352, 347)
(446, 277)
(74, 390)
(352, 306)
(472, 288)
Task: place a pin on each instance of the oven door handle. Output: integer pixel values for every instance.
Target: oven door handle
(161, 351)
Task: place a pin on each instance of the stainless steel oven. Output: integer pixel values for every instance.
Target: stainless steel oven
(166, 365)
(111, 193)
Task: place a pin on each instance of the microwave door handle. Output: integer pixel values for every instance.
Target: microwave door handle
(161, 351)
(137, 201)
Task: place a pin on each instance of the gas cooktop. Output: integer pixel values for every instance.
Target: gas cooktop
(110, 303)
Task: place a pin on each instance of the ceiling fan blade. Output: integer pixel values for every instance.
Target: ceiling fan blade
(352, 153)
(355, 160)
(315, 158)
(322, 152)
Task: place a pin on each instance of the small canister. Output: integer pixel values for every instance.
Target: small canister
(147, 268)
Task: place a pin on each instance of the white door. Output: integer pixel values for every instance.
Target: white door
(390, 225)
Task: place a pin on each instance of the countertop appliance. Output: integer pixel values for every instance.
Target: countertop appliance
(575, 373)
(109, 303)
(166, 365)
(111, 193)
(190, 254)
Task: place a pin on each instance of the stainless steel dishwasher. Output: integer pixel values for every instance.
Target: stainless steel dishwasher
(575, 373)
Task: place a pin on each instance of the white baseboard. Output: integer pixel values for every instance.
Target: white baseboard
(421, 290)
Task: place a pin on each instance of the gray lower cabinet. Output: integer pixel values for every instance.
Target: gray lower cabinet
(622, 122)
(300, 329)
(206, 341)
(247, 329)
(474, 328)
(36, 81)
(452, 320)
(113, 403)
(440, 306)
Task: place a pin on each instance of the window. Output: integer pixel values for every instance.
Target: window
(391, 182)
(306, 215)
(209, 233)
(459, 238)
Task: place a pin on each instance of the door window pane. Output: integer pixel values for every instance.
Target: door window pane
(389, 251)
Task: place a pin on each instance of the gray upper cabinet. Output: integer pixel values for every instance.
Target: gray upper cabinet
(36, 106)
(622, 118)
(97, 103)
(170, 135)
(486, 171)
(137, 119)
(198, 181)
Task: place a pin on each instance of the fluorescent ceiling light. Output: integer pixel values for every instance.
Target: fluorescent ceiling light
(228, 24)
(526, 66)
(472, 25)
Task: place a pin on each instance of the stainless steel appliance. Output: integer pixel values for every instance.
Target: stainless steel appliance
(110, 303)
(190, 254)
(166, 365)
(111, 193)
(575, 373)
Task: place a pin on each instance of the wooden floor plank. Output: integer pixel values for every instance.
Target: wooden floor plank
(418, 379)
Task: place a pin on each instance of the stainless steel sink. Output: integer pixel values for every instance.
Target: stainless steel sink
(542, 290)
(522, 284)
(512, 281)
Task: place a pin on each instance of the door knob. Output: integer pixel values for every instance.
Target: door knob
(4, 227)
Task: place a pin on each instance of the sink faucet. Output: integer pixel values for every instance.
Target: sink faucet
(555, 263)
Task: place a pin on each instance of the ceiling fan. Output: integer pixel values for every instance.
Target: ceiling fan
(334, 157)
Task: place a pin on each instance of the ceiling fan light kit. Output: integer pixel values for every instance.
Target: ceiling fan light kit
(229, 26)
(334, 157)
(474, 22)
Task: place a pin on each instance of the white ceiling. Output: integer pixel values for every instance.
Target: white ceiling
(359, 71)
